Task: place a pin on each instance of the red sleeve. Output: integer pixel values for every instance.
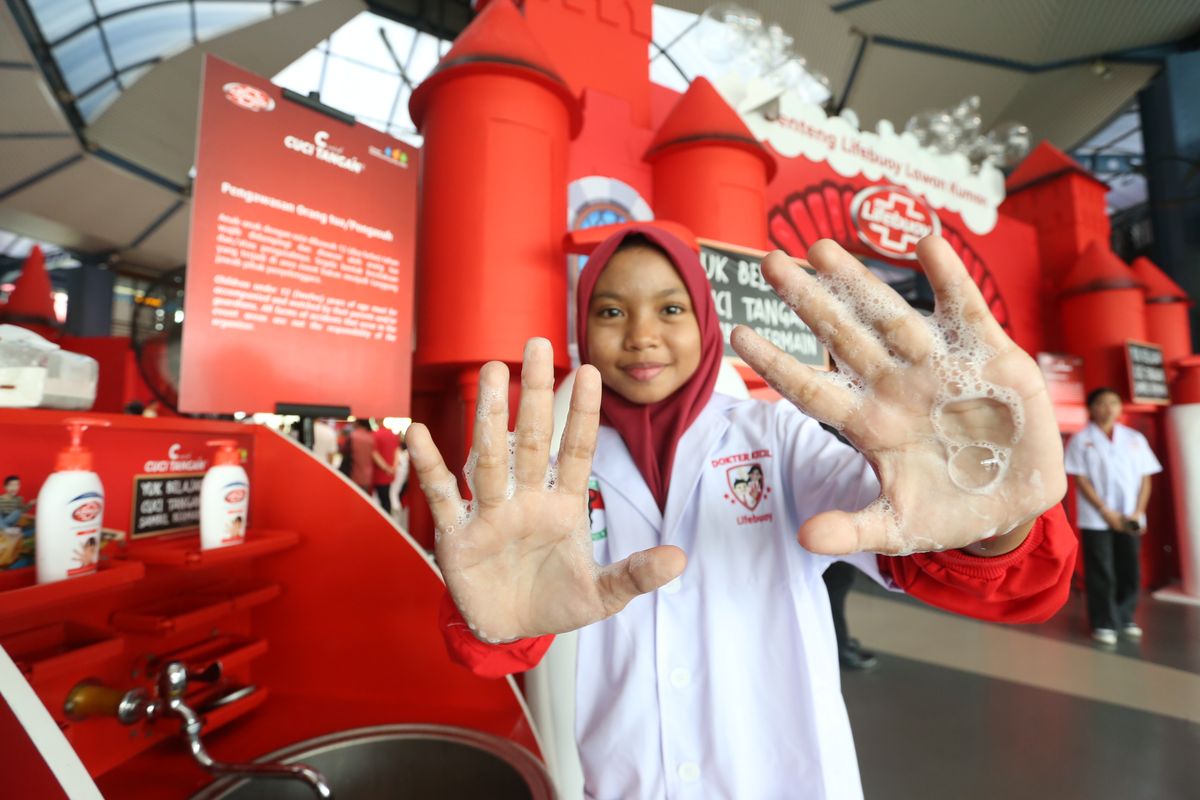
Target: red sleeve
(487, 660)
(1027, 585)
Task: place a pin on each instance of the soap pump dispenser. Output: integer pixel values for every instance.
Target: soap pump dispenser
(224, 498)
(70, 509)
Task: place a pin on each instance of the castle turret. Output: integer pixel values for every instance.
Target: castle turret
(1101, 306)
(31, 302)
(710, 173)
(1166, 311)
(490, 267)
(497, 119)
(1063, 202)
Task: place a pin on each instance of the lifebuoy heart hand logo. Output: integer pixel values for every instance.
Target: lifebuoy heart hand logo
(746, 483)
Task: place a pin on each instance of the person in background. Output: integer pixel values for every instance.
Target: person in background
(325, 442)
(362, 450)
(346, 457)
(383, 466)
(838, 580)
(12, 505)
(839, 577)
(400, 484)
(1112, 465)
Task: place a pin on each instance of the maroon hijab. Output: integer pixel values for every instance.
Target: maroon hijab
(652, 431)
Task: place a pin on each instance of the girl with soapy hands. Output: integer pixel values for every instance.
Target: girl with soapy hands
(707, 662)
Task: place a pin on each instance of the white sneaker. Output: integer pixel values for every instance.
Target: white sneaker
(1105, 635)
(1131, 631)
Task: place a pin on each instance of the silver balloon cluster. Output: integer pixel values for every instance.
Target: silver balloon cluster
(960, 130)
(738, 37)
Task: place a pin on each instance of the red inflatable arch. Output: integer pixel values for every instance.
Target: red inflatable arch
(823, 212)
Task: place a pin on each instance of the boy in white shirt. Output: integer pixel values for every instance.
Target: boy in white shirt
(1112, 465)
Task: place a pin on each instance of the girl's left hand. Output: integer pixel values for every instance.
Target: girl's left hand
(952, 415)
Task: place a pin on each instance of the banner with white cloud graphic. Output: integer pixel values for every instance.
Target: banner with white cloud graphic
(795, 127)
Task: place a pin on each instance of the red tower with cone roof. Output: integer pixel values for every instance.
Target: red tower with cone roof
(709, 171)
(1064, 202)
(1167, 307)
(497, 118)
(1101, 306)
(31, 302)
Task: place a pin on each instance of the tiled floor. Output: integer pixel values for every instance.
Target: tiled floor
(964, 709)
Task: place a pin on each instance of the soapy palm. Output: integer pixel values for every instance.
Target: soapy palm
(518, 562)
(953, 416)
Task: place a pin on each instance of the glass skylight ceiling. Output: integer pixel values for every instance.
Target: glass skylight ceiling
(102, 47)
(368, 68)
(370, 65)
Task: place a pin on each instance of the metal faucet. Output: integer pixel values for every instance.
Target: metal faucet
(88, 699)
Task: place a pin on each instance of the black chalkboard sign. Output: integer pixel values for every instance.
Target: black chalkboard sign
(1147, 377)
(165, 504)
(743, 297)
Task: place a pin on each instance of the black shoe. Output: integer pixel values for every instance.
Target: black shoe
(855, 660)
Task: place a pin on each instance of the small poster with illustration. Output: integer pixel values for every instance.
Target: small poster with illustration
(85, 558)
(235, 530)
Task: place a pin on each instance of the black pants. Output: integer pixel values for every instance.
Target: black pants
(385, 497)
(1111, 572)
(838, 579)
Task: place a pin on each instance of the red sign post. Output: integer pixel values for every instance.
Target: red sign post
(300, 261)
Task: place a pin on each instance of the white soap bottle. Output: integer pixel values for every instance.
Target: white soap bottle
(70, 509)
(224, 498)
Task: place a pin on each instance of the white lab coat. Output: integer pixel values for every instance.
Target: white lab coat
(724, 683)
(1115, 467)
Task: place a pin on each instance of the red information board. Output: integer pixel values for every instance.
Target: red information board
(1064, 382)
(300, 259)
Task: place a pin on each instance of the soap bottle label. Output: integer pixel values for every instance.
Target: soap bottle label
(87, 511)
(235, 498)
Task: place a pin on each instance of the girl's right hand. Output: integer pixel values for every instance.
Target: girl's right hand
(520, 564)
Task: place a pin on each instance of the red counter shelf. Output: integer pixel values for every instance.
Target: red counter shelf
(232, 652)
(21, 596)
(185, 552)
(191, 610)
(324, 596)
(50, 651)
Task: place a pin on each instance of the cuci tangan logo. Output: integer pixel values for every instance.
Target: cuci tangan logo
(891, 221)
(248, 97)
(86, 512)
(235, 496)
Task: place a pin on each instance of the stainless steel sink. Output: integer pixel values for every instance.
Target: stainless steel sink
(401, 761)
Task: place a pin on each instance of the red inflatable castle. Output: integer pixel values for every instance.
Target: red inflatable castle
(317, 638)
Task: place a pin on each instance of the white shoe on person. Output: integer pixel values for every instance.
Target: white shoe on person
(1105, 635)
(1132, 631)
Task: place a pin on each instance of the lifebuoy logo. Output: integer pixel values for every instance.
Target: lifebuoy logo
(87, 511)
(248, 97)
(235, 496)
(891, 221)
